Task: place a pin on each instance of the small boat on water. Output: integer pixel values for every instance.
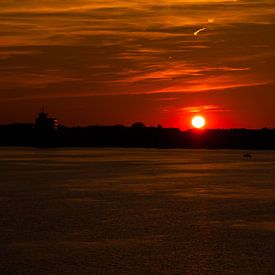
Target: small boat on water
(247, 155)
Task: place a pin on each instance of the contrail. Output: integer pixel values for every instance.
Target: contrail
(198, 31)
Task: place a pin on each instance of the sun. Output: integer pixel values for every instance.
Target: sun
(198, 122)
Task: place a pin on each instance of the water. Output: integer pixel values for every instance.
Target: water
(136, 211)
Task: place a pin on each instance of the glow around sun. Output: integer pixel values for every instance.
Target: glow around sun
(198, 122)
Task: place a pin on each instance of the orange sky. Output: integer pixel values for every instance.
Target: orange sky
(116, 62)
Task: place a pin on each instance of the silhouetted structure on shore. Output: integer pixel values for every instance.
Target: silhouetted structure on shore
(46, 132)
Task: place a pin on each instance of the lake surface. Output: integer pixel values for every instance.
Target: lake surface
(136, 211)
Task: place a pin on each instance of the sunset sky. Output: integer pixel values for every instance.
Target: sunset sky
(158, 61)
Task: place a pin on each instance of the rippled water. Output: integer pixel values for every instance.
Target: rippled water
(136, 211)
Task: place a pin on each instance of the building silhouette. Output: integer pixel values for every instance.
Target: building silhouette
(45, 123)
(45, 129)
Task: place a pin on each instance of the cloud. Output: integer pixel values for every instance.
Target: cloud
(135, 47)
(34, 80)
(204, 108)
(7, 53)
(170, 70)
(211, 83)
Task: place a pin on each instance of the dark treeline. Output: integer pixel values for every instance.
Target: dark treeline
(135, 136)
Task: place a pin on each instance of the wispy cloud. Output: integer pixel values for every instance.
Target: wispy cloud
(216, 83)
(204, 108)
(9, 81)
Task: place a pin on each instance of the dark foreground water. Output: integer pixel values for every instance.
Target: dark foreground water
(136, 211)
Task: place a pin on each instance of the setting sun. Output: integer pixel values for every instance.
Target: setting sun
(198, 122)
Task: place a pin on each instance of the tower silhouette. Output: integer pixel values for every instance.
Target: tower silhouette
(45, 129)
